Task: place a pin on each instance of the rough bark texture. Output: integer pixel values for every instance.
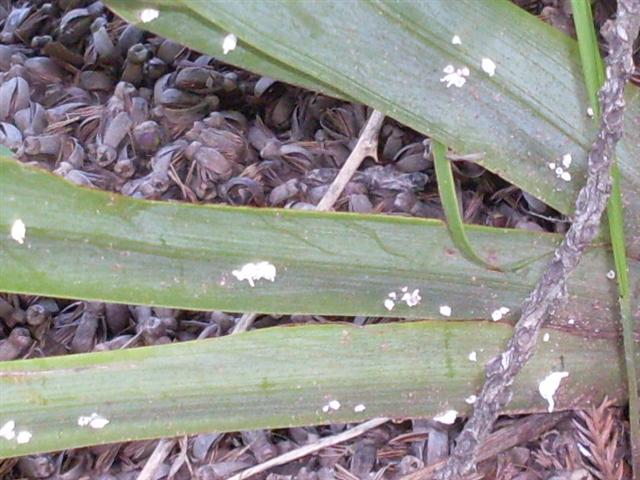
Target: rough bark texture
(590, 204)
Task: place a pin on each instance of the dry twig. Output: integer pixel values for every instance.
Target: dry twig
(590, 204)
(367, 146)
(157, 458)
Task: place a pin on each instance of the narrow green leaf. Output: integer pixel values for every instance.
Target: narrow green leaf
(594, 76)
(592, 67)
(282, 377)
(449, 200)
(529, 114)
(94, 245)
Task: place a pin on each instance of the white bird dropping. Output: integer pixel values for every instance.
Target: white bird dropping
(229, 43)
(549, 385)
(18, 231)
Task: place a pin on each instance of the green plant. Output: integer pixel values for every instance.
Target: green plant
(139, 252)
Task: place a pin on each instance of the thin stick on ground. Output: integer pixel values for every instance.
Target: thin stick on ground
(157, 458)
(309, 449)
(590, 204)
(367, 146)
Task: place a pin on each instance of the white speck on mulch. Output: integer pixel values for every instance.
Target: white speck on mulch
(359, 408)
(445, 310)
(471, 399)
(611, 274)
(590, 112)
(473, 356)
(549, 385)
(253, 272)
(546, 337)
(456, 40)
(334, 405)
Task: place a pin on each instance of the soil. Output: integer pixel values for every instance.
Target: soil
(106, 105)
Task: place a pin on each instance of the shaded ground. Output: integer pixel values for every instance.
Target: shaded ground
(107, 105)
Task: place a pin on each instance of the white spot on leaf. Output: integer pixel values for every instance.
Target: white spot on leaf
(546, 337)
(148, 14)
(473, 357)
(590, 112)
(549, 385)
(471, 399)
(253, 272)
(229, 43)
(359, 408)
(445, 310)
(566, 160)
(94, 421)
(412, 299)
(456, 40)
(499, 313)
(489, 66)
(389, 304)
(334, 405)
(8, 430)
(23, 437)
(18, 231)
(455, 77)
(448, 417)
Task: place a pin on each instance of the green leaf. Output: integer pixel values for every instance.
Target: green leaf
(594, 76)
(528, 115)
(281, 377)
(592, 67)
(88, 244)
(449, 200)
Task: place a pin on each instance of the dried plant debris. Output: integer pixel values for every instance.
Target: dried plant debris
(107, 105)
(599, 433)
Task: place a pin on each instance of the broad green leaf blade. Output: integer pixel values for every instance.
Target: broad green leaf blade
(282, 377)
(530, 113)
(449, 200)
(594, 75)
(94, 245)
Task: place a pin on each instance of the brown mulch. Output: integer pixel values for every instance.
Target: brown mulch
(106, 105)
